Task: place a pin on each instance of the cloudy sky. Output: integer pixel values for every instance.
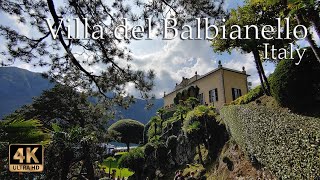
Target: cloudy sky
(170, 59)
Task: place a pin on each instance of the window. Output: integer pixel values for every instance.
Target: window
(213, 95)
(236, 93)
(201, 100)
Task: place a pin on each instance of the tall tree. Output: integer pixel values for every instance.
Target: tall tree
(62, 105)
(304, 11)
(197, 124)
(161, 112)
(76, 126)
(250, 14)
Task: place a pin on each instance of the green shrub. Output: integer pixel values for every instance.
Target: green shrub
(297, 86)
(133, 160)
(288, 144)
(250, 96)
(172, 142)
(154, 128)
(149, 148)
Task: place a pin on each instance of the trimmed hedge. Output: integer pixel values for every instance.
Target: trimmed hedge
(287, 144)
(297, 86)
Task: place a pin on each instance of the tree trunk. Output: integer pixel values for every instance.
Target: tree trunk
(128, 147)
(200, 155)
(267, 85)
(88, 163)
(110, 169)
(67, 157)
(155, 128)
(256, 58)
(309, 38)
(161, 126)
(207, 131)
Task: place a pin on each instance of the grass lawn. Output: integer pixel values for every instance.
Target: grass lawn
(123, 172)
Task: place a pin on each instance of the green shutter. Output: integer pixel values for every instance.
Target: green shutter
(216, 92)
(233, 95)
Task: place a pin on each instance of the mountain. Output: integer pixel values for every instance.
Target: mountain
(19, 86)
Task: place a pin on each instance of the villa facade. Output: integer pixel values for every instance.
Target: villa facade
(218, 87)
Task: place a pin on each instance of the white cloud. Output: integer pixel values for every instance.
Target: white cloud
(178, 58)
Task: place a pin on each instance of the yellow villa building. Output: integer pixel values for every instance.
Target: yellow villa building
(219, 86)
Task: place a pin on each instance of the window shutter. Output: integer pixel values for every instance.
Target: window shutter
(216, 93)
(240, 92)
(210, 94)
(233, 94)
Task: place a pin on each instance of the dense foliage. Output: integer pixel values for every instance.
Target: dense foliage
(297, 87)
(127, 131)
(23, 131)
(285, 143)
(185, 94)
(19, 131)
(202, 127)
(62, 105)
(76, 128)
(134, 161)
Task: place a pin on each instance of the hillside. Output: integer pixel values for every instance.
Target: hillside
(19, 86)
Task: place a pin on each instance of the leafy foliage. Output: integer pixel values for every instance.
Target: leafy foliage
(62, 105)
(185, 94)
(250, 96)
(19, 130)
(77, 131)
(297, 87)
(127, 131)
(285, 143)
(198, 126)
(23, 131)
(154, 128)
(73, 152)
(249, 40)
(133, 160)
(68, 60)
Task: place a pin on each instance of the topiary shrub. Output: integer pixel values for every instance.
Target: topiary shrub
(162, 155)
(127, 131)
(297, 86)
(172, 142)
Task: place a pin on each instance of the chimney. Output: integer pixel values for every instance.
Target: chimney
(243, 70)
(219, 64)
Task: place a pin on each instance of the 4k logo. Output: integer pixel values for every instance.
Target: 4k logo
(26, 157)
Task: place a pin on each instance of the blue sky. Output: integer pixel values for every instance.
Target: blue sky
(170, 59)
